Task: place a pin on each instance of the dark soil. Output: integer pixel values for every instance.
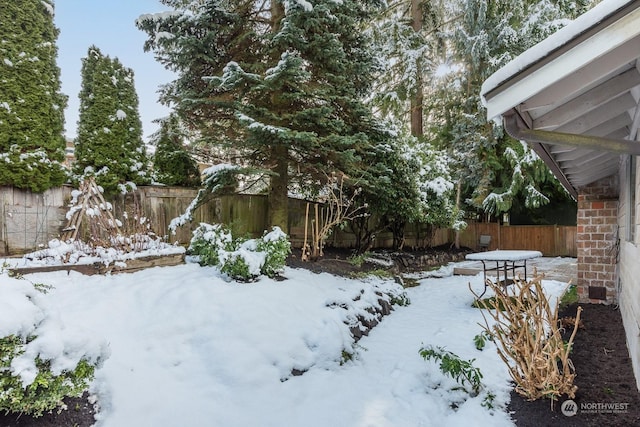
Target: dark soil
(79, 413)
(604, 377)
(603, 369)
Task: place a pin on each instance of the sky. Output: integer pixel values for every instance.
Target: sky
(110, 25)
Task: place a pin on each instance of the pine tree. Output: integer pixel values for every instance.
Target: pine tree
(408, 36)
(173, 165)
(280, 84)
(495, 170)
(31, 105)
(109, 142)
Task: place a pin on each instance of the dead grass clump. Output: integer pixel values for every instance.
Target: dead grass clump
(529, 340)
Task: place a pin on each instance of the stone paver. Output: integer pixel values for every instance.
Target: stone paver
(562, 269)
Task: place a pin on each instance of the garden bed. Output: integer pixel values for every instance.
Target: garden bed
(600, 356)
(113, 267)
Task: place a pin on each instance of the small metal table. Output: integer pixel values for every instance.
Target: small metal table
(505, 261)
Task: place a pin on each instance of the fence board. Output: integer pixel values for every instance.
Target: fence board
(29, 220)
(551, 240)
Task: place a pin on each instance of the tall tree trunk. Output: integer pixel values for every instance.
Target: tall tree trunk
(458, 193)
(417, 99)
(278, 192)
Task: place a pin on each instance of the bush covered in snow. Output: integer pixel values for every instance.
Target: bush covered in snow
(47, 389)
(40, 366)
(239, 258)
(276, 247)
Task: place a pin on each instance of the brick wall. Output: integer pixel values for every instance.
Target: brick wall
(597, 241)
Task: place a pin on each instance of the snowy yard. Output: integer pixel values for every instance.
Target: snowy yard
(187, 348)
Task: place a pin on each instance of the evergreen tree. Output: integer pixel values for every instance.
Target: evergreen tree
(109, 142)
(408, 36)
(494, 169)
(31, 105)
(280, 84)
(173, 165)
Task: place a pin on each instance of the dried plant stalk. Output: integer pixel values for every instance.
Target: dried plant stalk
(337, 208)
(529, 340)
(97, 214)
(92, 223)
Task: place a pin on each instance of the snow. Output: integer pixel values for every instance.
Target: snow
(211, 171)
(78, 253)
(306, 6)
(559, 38)
(185, 347)
(504, 255)
(48, 7)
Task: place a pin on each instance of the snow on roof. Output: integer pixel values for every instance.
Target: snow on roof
(548, 45)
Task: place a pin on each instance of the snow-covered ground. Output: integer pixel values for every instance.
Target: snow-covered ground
(187, 348)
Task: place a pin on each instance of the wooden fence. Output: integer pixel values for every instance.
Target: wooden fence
(30, 220)
(551, 240)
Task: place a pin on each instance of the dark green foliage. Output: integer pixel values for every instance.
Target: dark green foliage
(284, 97)
(390, 190)
(47, 390)
(496, 172)
(276, 252)
(208, 240)
(31, 105)
(173, 165)
(460, 370)
(237, 257)
(109, 142)
(237, 267)
(481, 339)
(569, 297)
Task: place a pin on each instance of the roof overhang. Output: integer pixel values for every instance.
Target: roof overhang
(575, 96)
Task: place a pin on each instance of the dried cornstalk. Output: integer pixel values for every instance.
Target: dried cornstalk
(528, 336)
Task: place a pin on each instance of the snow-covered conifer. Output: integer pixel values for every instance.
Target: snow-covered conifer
(109, 142)
(31, 104)
(495, 170)
(172, 163)
(279, 85)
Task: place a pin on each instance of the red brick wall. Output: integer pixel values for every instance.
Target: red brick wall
(597, 241)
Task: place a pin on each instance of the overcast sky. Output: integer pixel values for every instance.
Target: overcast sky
(110, 25)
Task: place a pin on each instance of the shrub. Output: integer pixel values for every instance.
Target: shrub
(243, 264)
(276, 247)
(529, 340)
(47, 390)
(240, 259)
(207, 241)
(569, 297)
(460, 370)
(36, 376)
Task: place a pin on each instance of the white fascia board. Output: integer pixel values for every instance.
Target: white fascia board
(599, 44)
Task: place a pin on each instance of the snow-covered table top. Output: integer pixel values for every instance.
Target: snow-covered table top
(501, 255)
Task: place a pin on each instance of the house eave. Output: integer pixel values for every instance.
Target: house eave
(604, 35)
